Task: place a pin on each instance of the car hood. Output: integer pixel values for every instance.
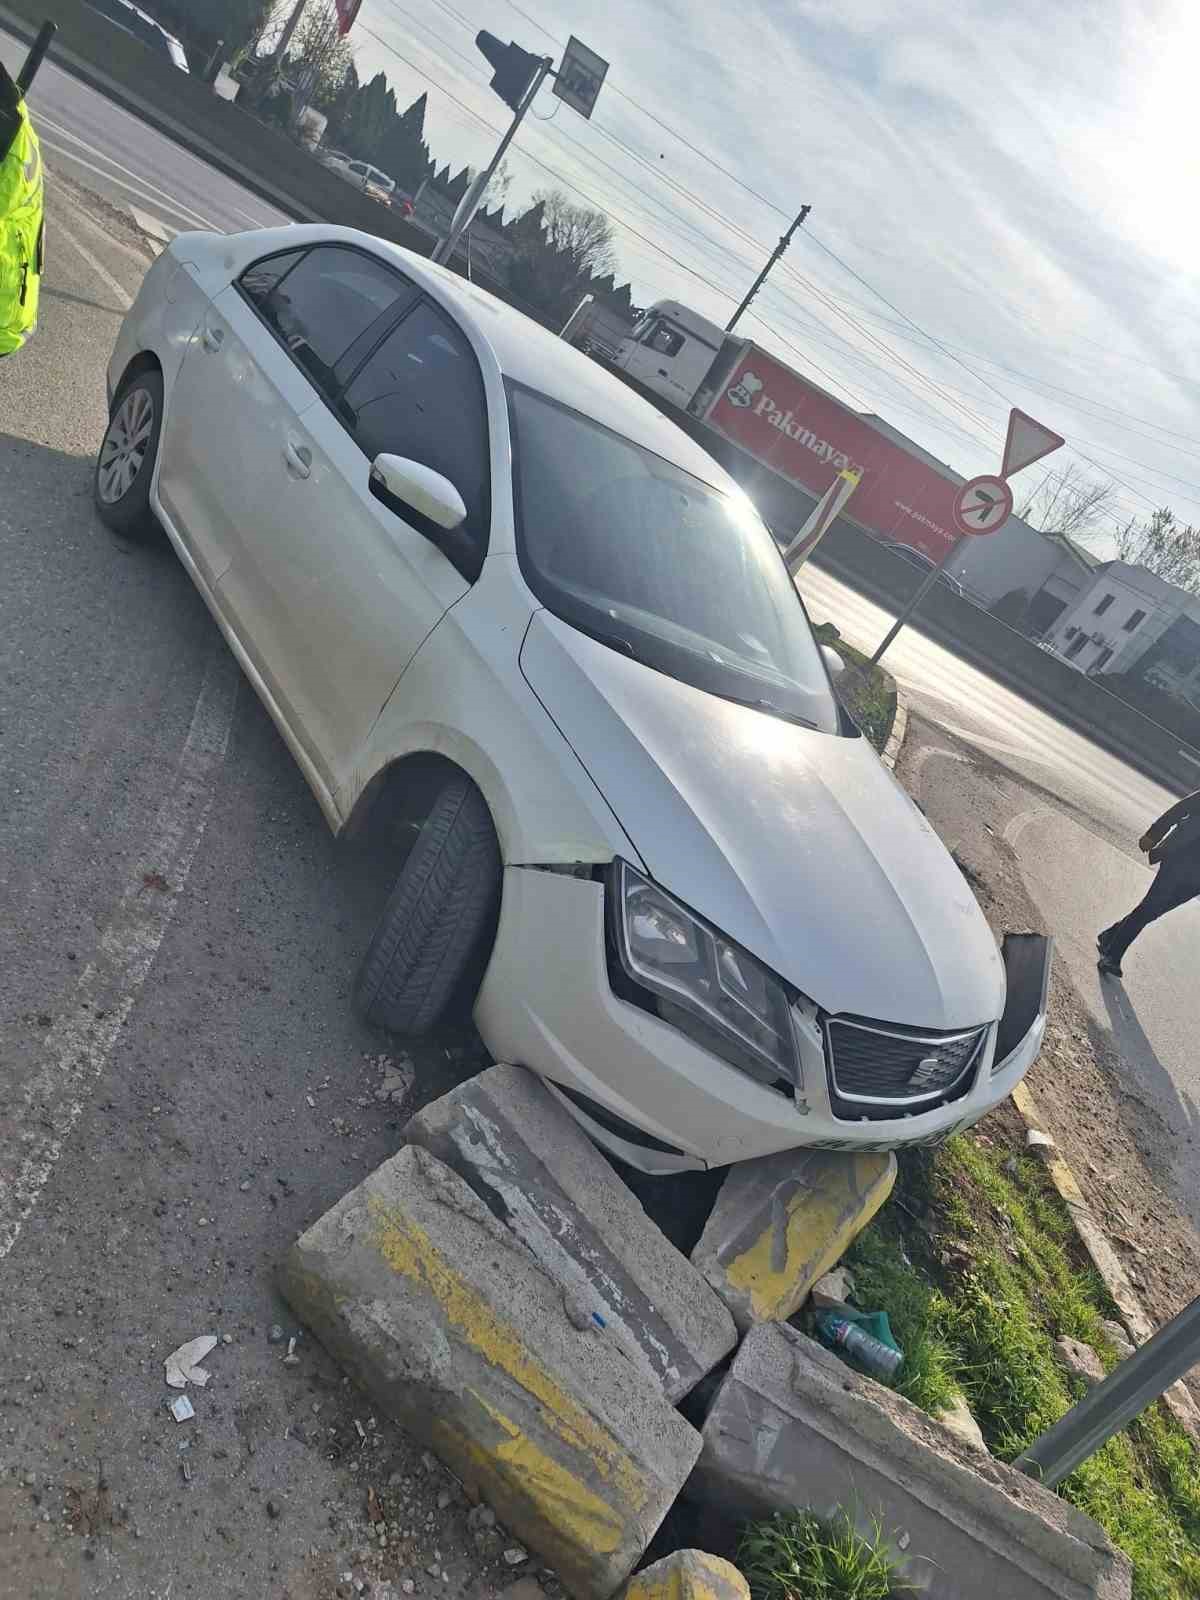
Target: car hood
(799, 845)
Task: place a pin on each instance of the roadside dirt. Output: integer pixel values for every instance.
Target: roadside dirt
(1109, 1133)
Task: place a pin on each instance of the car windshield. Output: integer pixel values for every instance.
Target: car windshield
(659, 565)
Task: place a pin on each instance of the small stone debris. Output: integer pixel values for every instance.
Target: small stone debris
(312, 1103)
(1035, 1139)
(291, 1359)
(359, 1429)
(433, 1569)
(514, 1556)
(1118, 1338)
(429, 1462)
(444, 1499)
(244, 1185)
(181, 1408)
(407, 1586)
(275, 1334)
(904, 1540)
(274, 1510)
(481, 1517)
(1079, 1360)
(835, 1288)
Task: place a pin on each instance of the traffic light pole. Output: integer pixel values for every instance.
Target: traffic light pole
(445, 249)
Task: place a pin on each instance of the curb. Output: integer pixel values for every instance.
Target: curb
(1104, 1258)
(895, 740)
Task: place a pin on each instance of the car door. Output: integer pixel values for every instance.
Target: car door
(264, 348)
(338, 588)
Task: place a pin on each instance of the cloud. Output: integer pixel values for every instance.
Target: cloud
(1017, 180)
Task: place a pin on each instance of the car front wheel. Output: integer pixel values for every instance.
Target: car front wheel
(128, 452)
(435, 917)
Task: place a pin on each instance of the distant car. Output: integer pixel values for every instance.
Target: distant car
(918, 559)
(480, 583)
(361, 174)
(130, 19)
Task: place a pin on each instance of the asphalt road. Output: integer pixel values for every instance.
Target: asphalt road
(183, 1084)
(1074, 837)
(112, 153)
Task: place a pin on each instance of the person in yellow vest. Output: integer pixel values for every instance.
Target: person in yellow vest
(22, 222)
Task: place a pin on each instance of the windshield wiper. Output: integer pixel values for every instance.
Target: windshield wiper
(771, 709)
(615, 641)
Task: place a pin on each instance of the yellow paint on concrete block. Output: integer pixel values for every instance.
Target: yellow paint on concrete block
(409, 1251)
(806, 1223)
(688, 1575)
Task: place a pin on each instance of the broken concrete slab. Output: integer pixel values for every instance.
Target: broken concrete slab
(792, 1426)
(960, 1419)
(533, 1166)
(688, 1575)
(782, 1221)
(445, 1320)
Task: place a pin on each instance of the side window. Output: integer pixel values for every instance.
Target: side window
(258, 281)
(420, 394)
(358, 169)
(666, 340)
(327, 299)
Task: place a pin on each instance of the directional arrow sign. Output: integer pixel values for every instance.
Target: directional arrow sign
(1027, 441)
(982, 506)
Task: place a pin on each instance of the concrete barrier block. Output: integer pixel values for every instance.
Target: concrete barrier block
(780, 1223)
(688, 1575)
(792, 1426)
(532, 1165)
(443, 1318)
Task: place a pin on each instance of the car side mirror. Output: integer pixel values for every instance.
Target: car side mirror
(833, 661)
(420, 488)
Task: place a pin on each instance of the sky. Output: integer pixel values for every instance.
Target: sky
(1003, 198)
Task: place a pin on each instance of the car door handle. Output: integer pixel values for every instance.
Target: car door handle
(298, 458)
(212, 338)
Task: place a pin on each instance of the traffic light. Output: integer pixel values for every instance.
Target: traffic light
(514, 68)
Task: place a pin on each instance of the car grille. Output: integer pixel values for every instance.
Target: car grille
(882, 1068)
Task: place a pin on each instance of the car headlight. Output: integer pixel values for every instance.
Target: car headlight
(702, 983)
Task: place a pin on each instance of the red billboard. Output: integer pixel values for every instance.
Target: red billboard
(806, 436)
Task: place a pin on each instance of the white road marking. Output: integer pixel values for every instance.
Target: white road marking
(123, 298)
(918, 766)
(154, 226)
(149, 189)
(1017, 825)
(80, 1042)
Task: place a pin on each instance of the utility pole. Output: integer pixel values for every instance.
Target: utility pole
(289, 28)
(772, 259)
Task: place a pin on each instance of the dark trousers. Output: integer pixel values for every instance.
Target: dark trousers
(1176, 882)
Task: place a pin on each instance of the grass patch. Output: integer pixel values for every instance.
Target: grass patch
(795, 1555)
(976, 1266)
(868, 693)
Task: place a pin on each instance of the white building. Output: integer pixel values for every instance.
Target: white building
(1121, 617)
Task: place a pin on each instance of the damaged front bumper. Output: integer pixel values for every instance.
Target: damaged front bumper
(660, 1101)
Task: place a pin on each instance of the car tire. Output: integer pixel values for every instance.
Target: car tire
(125, 460)
(435, 916)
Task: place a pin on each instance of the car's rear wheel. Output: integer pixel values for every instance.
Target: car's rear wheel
(128, 451)
(436, 916)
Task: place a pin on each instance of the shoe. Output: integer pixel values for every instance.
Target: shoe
(1101, 942)
(1108, 967)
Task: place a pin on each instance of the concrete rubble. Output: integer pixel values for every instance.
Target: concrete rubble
(791, 1426)
(532, 1165)
(688, 1575)
(443, 1317)
(1079, 1360)
(782, 1221)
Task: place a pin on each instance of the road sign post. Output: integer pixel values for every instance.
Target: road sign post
(927, 583)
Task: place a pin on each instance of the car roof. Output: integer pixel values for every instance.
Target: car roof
(531, 355)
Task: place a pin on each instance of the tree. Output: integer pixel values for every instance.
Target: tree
(1068, 504)
(319, 57)
(1169, 549)
(560, 246)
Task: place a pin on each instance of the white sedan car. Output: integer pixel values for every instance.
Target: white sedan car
(472, 575)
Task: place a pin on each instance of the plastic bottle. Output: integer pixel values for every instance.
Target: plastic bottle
(878, 1358)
